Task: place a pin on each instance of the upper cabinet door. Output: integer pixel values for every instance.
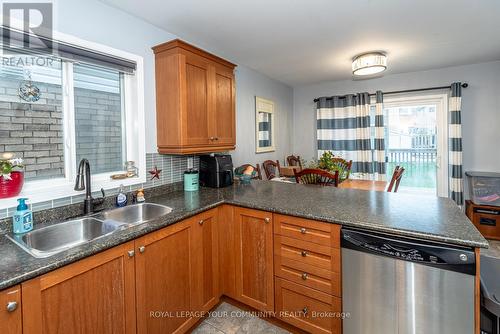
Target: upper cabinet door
(94, 295)
(254, 258)
(195, 103)
(224, 118)
(198, 101)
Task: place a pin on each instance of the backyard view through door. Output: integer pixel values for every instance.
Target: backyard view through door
(416, 139)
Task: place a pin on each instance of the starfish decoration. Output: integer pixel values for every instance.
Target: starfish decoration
(155, 172)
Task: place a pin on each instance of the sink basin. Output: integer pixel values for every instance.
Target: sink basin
(49, 240)
(52, 239)
(134, 214)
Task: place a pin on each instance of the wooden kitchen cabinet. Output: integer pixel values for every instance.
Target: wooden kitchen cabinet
(10, 314)
(206, 260)
(94, 295)
(254, 258)
(165, 280)
(195, 100)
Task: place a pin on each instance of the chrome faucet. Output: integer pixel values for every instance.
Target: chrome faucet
(83, 183)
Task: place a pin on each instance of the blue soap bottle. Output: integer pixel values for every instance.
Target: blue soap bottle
(23, 217)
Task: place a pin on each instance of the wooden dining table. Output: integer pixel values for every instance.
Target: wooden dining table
(363, 185)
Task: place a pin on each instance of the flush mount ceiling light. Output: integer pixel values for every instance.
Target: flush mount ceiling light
(369, 63)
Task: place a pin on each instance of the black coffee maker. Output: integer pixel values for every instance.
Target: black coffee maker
(216, 170)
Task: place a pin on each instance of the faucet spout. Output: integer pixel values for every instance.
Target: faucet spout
(82, 182)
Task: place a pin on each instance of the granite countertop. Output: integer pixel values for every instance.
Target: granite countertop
(427, 218)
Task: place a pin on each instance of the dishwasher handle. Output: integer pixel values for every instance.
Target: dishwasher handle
(459, 259)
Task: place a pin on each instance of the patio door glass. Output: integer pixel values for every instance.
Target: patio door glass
(416, 139)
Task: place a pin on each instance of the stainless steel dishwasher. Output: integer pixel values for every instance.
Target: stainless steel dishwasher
(396, 285)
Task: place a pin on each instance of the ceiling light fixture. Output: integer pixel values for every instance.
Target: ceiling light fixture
(369, 63)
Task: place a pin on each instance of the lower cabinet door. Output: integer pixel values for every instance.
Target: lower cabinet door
(254, 258)
(308, 309)
(205, 260)
(10, 314)
(165, 280)
(94, 295)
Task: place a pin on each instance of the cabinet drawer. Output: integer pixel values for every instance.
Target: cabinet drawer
(304, 274)
(487, 223)
(307, 252)
(307, 309)
(308, 230)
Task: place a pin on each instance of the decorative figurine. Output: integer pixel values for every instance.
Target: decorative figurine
(155, 172)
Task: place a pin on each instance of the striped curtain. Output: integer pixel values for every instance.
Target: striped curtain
(379, 139)
(264, 129)
(456, 183)
(343, 127)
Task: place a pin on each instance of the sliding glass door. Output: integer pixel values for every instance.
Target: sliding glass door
(416, 138)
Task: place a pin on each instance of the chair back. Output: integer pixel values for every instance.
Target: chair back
(258, 175)
(271, 168)
(317, 176)
(293, 160)
(397, 175)
(344, 167)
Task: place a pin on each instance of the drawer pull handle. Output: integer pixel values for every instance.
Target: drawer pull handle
(303, 230)
(267, 220)
(303, 253)
(305, 310)
(11, 306)
(304, 276)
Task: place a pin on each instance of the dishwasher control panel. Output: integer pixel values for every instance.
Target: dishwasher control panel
(426, 253)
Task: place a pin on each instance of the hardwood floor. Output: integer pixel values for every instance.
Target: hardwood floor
(229, 319)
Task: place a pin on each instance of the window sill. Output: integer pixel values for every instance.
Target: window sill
(43, 191)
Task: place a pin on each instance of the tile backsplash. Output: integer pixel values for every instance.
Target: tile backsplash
(172, 169)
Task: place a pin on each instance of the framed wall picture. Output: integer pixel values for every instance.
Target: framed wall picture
(264, 125)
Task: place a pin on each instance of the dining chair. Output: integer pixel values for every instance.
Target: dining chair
(258, 175)
(317, 176)
(344, 167)
(397, 175)
(271, 168)
(293, 160)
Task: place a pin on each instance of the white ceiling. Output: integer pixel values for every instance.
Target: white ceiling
(306, 41)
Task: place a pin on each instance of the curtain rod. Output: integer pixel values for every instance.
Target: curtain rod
(464, 85)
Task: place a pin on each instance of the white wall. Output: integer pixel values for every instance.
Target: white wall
(249, 84)
(97, 22)
(480, 108)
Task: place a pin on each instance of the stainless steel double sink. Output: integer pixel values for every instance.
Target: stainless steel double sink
(51, 239)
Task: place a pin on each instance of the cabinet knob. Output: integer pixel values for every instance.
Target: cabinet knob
(212, 138)
(200, 222)
(11, 306)
(216, 138)
(142, 249)
(267, 220)
(304, 276)
(305, 310)
(303, 230)
(303, 253)
(131, 253)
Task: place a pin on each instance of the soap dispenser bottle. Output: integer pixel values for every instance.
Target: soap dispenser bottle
(121, 198)
(23, 217)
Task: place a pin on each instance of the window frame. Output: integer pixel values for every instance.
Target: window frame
(133, 107)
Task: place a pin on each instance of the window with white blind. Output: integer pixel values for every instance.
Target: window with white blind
(83, 109)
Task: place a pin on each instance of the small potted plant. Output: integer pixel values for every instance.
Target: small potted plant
(11, 175)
